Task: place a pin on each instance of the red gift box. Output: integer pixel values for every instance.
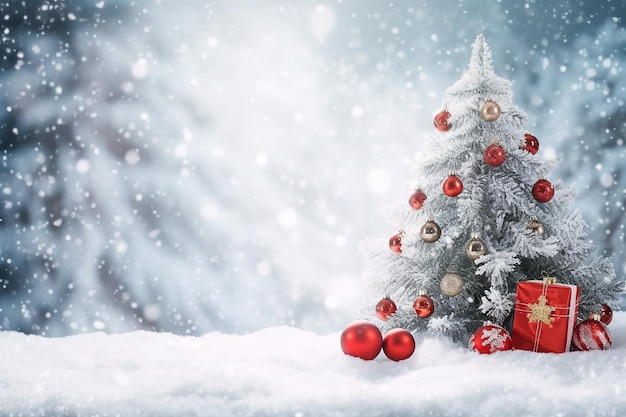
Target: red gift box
(545, 316)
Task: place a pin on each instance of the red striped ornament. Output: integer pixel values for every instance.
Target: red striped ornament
(591, 335)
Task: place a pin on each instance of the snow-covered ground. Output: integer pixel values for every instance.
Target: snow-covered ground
(284, 371)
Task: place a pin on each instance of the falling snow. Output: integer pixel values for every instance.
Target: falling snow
(214, 166)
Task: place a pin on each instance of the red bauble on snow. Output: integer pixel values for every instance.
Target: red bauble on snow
(591, 335)
(398, 344)
(417, 199)
(441, 121)
(494, 155)
(395, 243)
(606, 314)
(532, 144)
(423, 306)
(385, 308)
(543, 191)
(490, 338)
(361, 339)
(452, 186)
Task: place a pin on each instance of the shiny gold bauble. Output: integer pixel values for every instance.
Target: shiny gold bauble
(451, 284)
(536, 227)
(475, 248)
(490, 111)
(430, 232)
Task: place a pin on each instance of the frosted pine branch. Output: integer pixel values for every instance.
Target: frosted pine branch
(497, 265)
(496, 305)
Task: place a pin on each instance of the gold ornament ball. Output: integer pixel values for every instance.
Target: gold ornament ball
(490, 111)
(451, 284)
(475, 248)
(430, 232)
(536, 227)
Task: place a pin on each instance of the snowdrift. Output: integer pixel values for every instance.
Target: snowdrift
(290, 372)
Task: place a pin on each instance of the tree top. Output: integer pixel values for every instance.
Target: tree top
(480, 78)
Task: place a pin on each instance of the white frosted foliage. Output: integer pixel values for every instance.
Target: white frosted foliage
(496, 305)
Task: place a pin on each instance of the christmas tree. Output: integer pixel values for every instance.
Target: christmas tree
(483, 215)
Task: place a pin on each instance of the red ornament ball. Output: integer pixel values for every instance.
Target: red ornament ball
(606, 314)
(494, 155)
(423, 306)
(452, 186)
(385, 308)
(398, 344)
(361, 339)
(416, 201)
(490, 338)
(543, 191)
(441, 121)
(591, 335)
(395, 243)
(532, 144)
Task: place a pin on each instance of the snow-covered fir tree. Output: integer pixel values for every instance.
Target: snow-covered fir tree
(484, 215)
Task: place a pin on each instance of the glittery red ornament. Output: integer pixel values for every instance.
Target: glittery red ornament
(532, 144)
(606, 314)
(452, 186)
(398, 344)
(395, 243)
(361, 339)
(490, 338)
(416, 201)
(494, 155)
(385, 308)
(591, 335)
(441, 121)
(423, 306)
(543, 191)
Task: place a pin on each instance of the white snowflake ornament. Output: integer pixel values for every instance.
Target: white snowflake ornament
(490, 338)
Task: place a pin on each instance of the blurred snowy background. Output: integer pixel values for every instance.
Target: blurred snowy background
(213, 165)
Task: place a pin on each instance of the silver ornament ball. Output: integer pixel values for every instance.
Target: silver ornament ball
(475, 248)
(430, 232)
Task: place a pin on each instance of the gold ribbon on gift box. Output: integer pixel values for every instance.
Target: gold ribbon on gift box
(541, 312)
